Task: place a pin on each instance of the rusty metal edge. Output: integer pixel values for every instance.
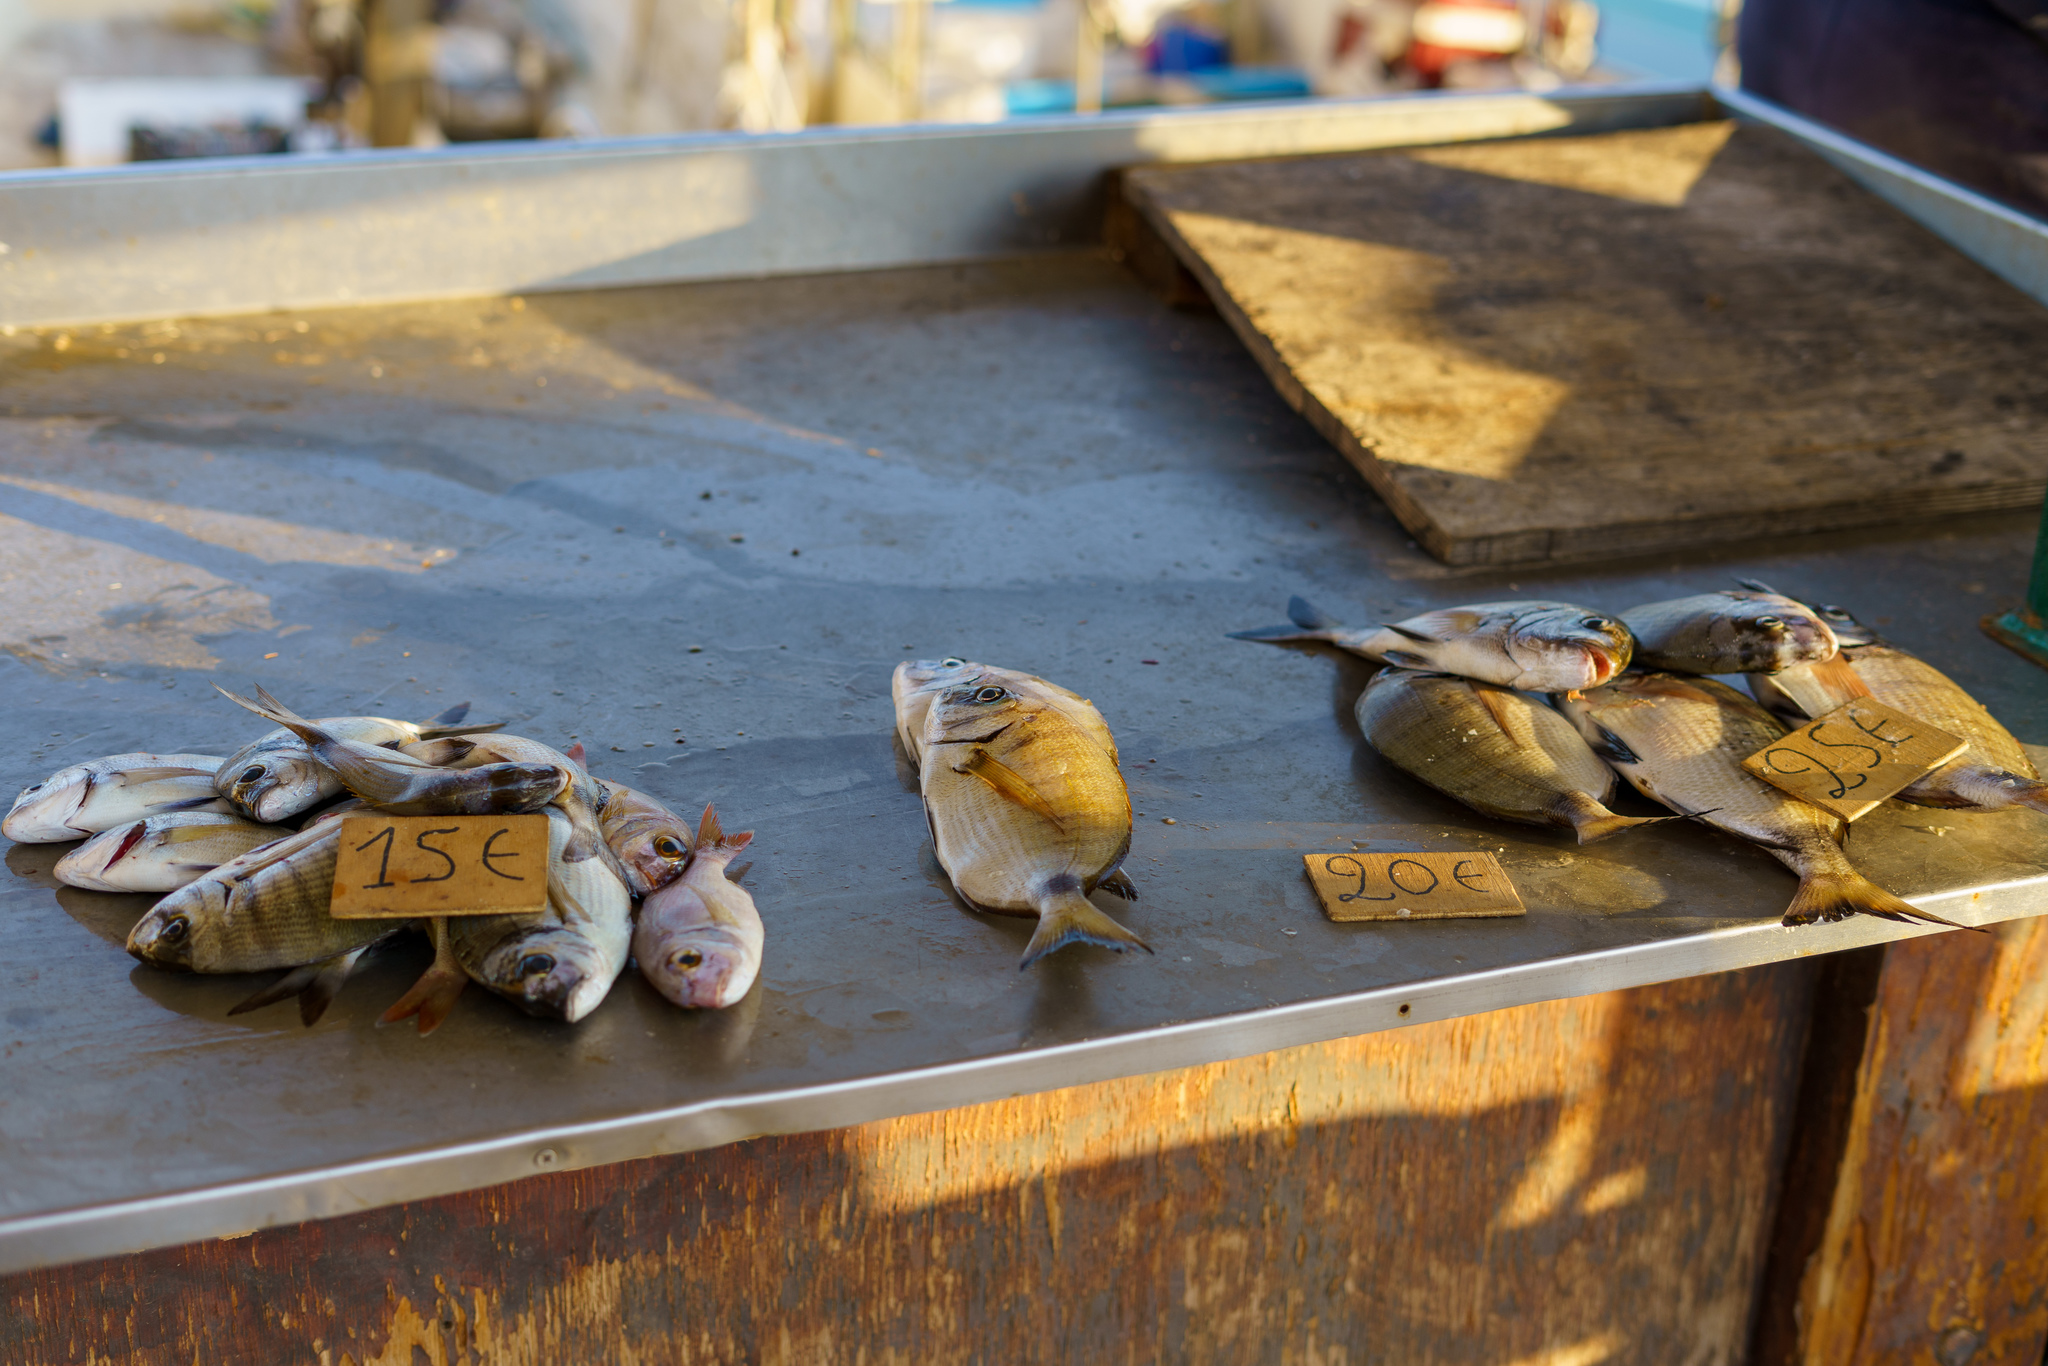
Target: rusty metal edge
(87, 1233)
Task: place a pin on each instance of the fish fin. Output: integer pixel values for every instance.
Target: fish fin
(1758, 586)
(470, 728)
(1406, 659)
(738, 870)
(1008, 783)
(1612, 748)
(326, 985)
(1496, 707)
(1841, 678)
(140, 777)
(185, 804)
(711, 836)
(1835, 895)
(442, 753)
(451, 717)
(1278, 633)
(1592, 828)
(1119, 883)
(291, 984)
(574, 754)
(2032, 793)
(434, 994)
(297, 725)
(1067, 917)
(283, 847)
(1310, 618)
(1402, 631)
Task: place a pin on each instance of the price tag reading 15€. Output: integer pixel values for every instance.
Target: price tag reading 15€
(1412, 886)
(399, 867)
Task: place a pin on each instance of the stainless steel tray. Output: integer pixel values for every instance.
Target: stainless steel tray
(1026, 461)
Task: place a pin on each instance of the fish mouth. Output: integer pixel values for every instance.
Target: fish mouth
(556, 995)
(1603, 666)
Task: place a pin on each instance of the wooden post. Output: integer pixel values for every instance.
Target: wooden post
(1913, 1224)
(1088, 62)
(397, 57)
(909, 62)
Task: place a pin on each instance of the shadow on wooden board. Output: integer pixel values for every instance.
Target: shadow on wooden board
(1584, 347)
(1579, 1182)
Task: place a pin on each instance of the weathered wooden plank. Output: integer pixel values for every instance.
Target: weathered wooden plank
(1566, 348)
(1577, 1182)
(1934, 1243)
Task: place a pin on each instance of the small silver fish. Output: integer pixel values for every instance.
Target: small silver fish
(698, 940)
(1735, 632)
(275, 777)
(1543, 647)
(400, 785)
(87, 798)
(162, 853)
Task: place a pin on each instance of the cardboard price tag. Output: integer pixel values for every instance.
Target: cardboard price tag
(402, 867)
(1853, 758)
(1412, 886)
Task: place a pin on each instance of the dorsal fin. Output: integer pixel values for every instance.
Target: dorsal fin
(1406, 634)
(452, 716)
(1305, 615)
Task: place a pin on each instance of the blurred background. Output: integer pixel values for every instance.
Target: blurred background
(99, 82)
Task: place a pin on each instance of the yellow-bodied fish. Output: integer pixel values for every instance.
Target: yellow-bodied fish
(1027, 808)
(162, 853)
(1681, 741)
(1500, 752)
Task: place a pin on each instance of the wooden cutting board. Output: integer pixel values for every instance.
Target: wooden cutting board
(1578, 347)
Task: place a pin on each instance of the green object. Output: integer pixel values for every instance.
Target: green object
(2025, 629)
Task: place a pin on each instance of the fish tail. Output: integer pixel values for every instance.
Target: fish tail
(1828, 894)
(1066, 917)
(452, 716)
(1594, 826)
(275, 712)
(435, 993)
(1304, 622)
(711, 836)
(2031, 793)
(1990, 789)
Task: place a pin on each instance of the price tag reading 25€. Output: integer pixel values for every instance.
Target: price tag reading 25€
(400, 867)
(1412, 886)
(1850, 760)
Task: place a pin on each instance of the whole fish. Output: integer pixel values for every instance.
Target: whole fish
(1994, 773)
(560, 963)
(1529, 646)
(275, 777)
(1734, 632)
(398, 784)
(266, 909)
(698, 939)
(651, 842)
(1028, 811)
(1681, 741)
(1500, 752)
(162, 853)
(87, 798)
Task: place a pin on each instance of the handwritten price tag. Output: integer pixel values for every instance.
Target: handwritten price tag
(1412, 886)
(1850, 760)
(400, 867)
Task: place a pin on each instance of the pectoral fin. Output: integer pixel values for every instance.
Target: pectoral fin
(1008, 783)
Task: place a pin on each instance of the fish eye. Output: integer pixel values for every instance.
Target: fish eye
(952, 662)
(174, 930)
(990, 695)
(1595, 623)
(668, 847)
(536, 963)
(252, 773)
(688, 958)
(1769, 623)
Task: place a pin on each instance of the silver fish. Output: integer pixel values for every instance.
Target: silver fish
(1500, 752)
(1529, 646)
(275, 777)
(558, 964)
(1681, 741)
(400, 785)
(577, 795)
(162, 853)
(1734, 632)
(266, 909)
(87, 798)
(698, 939)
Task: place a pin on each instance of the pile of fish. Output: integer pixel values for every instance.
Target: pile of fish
(1024, 797)
(246, 848)
(1527, 711)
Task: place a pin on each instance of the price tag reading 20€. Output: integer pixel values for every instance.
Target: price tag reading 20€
(1412, 886)
(399, 867)
(1850, 760)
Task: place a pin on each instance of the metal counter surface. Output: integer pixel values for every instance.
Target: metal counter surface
(695, 527)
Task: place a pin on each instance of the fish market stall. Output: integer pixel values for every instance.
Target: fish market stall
(550, 462)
